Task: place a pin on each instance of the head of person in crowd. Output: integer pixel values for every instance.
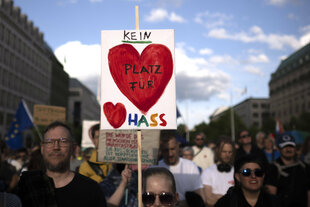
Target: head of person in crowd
(36, 161)
(200, 139)
(249, 174)
(170, 147)
(158, 188)
(268, 143)
(57, 147)
(188, 153)
(260, 139)
(225, 154)
(306, 146)
(244, 138)
(211, 144)
(87, 153)
(94, 132)
(286, 144)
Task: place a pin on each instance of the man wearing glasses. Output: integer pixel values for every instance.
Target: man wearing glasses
(289, 178)
(246, 147)
(58, 186)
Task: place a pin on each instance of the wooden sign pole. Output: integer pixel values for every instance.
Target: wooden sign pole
(139, 135)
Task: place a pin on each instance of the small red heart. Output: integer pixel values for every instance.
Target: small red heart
(116, 115)
(151, 71)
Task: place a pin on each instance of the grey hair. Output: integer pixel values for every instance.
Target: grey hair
(188, 148)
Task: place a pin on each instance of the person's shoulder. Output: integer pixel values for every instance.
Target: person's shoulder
(83, 179)
(161, 163)
(186, 161)
(224, 201)
(209, 170)
(207, 149)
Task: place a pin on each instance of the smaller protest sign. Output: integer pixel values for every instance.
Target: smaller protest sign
(120, 146)
(45, 114)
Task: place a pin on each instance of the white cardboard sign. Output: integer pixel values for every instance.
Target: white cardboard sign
(138, 79)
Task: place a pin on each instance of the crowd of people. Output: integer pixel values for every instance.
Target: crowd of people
(268, 171)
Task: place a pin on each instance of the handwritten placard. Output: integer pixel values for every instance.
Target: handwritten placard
(138, 79)
(45, 114)
(120, 146)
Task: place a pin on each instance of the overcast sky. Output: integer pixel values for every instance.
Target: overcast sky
(221, 47)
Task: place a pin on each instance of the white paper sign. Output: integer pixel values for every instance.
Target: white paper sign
(138, 79)
(86, 133)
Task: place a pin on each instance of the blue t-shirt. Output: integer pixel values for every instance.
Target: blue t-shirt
(270, 157)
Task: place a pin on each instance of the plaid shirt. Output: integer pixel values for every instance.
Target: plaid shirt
(112, 181)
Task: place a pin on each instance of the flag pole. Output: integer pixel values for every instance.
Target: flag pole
(35, 126)
(232, 117)
(139, 134)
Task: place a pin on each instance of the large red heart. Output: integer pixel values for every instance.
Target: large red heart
(116, 115)
(130, 71)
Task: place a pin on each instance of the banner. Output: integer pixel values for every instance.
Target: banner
(120, 146)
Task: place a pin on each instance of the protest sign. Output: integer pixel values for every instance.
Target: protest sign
(86, 133)
(45, 114)
(120, 146)
(138, 79)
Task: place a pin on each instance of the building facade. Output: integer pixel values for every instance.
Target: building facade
(253, 111)
(27, 66)
(83, 104)
(289, 87)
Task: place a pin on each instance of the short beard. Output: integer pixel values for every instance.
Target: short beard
(61, 167)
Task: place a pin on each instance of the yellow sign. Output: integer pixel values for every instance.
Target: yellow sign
(44, 114)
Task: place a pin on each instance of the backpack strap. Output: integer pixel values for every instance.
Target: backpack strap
(96, 168)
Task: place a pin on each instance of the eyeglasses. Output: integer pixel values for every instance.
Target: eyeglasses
(244, 136)
(166, 199)
(248, 172)
(63, 142)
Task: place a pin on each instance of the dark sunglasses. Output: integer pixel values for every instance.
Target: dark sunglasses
(257, 172)
(166, 199)
(244, 136)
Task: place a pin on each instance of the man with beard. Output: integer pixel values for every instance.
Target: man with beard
(289, 178)
(58, 186)
(219, 177)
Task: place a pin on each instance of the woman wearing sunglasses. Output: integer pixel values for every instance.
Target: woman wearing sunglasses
(248, 190)
(158, 187)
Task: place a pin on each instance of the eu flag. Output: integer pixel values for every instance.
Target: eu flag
(22, 120)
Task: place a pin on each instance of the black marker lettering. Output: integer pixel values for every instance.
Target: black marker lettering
(157, 69)
(132, 85)
(144, 70)
(127, 67)
(125, 35)
(134, 69)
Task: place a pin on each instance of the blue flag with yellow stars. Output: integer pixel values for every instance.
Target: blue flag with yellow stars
(22, 120)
